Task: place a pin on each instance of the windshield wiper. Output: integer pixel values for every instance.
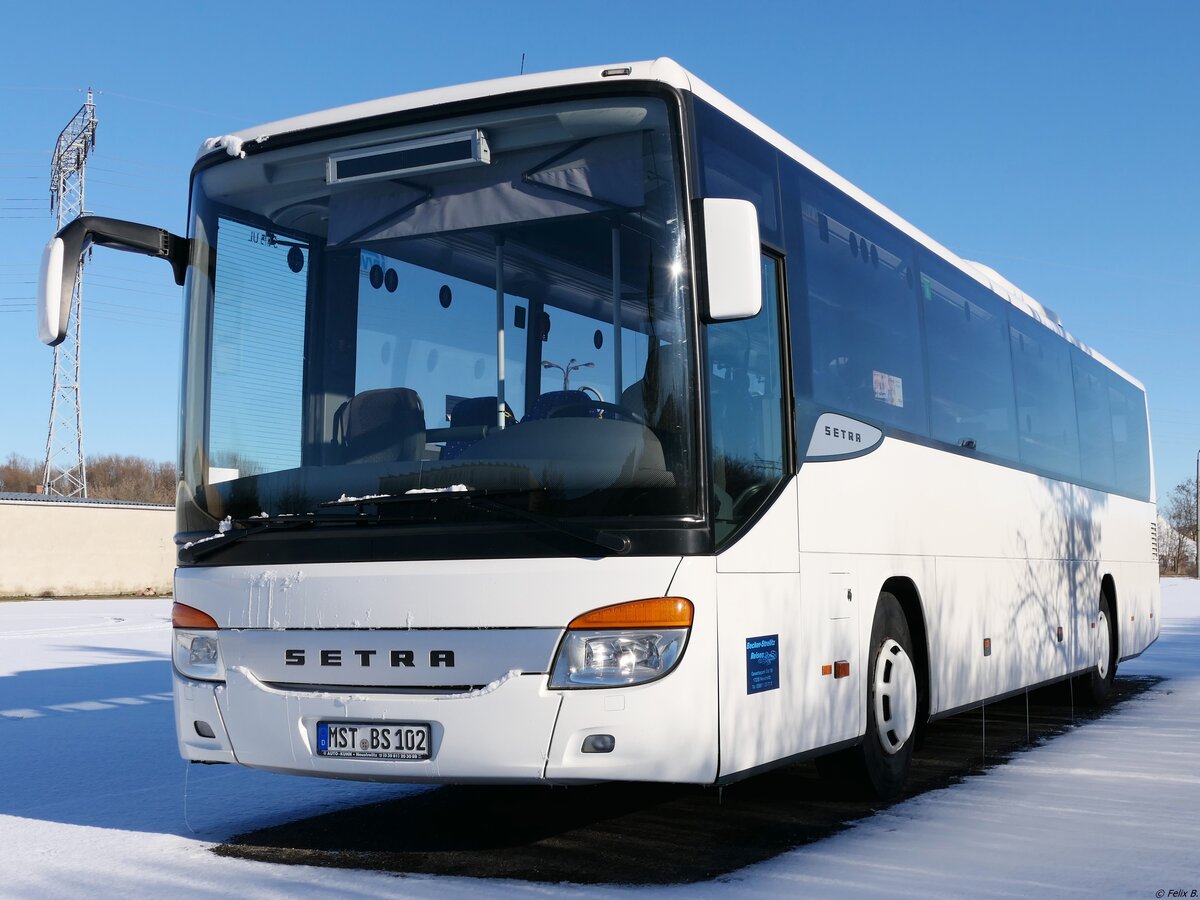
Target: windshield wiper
(485, 500)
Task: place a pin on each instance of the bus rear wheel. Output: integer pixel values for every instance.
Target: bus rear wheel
(892, 701)
(1096, 685)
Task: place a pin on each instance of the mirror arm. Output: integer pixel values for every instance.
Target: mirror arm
(119, 234)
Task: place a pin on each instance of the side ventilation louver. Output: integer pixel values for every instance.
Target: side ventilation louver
(1154, 540)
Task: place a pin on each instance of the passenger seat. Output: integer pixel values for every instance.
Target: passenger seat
(382, 425)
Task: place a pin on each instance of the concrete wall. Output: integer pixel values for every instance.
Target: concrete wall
(72, 549)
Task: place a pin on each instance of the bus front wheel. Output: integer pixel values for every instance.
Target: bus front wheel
(887, 747)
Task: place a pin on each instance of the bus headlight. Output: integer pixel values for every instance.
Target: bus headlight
(629, 643)
(197, 650)
(596, 658)
(198, 656)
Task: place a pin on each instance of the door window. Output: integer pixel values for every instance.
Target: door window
(746, 402)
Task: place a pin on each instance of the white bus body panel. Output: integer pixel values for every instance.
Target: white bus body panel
(468, 593)
(497, 615)
(950, 525)
(665, 730)
(810, 607)
(993, 552)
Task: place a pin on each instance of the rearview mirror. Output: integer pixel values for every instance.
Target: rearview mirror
(733, 254)
(60, 263)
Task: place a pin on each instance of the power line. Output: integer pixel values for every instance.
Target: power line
(155, 176)
(193, 109)
(33, 87)
(153, 283)
(145, 162)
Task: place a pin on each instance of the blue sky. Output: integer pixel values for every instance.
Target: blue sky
(1057, 142)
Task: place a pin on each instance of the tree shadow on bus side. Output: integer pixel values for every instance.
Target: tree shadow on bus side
(647, 834)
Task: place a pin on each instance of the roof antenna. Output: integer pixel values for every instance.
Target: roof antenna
(522, 64)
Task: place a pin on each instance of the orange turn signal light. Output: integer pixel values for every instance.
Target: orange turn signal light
(657, 612)
(189, 617)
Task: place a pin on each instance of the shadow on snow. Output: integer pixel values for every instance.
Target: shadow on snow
(646, 834)
(95, 745)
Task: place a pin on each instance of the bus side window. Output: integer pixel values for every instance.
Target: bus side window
(969, 362)
(746, 400)
(1046, 417)
(863, 320)
(1131, 438)
(1093, 411)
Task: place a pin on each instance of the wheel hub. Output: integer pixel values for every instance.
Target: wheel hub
(895, 696)
(1103, 646)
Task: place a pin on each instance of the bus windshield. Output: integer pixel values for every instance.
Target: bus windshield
(495, 303)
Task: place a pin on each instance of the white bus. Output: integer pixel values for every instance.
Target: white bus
(578, 426)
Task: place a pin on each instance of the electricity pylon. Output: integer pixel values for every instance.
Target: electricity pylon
(65, 473)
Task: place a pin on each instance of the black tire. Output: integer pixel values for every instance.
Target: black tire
(1095, 686)
(886, 752)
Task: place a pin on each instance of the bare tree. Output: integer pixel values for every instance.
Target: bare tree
(20, 474)
(117, 477)
(1177, 546)
(110, 477)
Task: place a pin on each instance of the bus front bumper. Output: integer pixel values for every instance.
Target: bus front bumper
(515, 732)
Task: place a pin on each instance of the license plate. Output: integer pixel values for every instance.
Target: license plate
(374, 740)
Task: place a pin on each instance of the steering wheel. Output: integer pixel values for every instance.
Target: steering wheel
(748, 498)
(581, 406)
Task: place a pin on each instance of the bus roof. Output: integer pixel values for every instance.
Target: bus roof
(668, 72)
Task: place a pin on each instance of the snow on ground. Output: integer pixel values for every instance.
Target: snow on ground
(94, 799)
